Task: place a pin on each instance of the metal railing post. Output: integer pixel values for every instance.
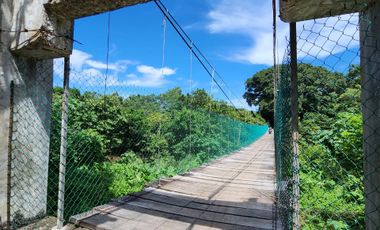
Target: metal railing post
(9, 173)
(294, 122)
(63, 147)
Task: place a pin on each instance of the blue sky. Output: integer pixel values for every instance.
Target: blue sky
(235, 35)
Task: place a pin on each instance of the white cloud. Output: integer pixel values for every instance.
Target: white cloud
(149, 76)
(153, 72)
(253, 19)
(118, 66)
(98, 65)
(89, 72)
(78, 59)
(236, 16)
(248, 18)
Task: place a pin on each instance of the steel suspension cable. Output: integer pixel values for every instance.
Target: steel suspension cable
(108, 50)
(163, 44)
(193, 47)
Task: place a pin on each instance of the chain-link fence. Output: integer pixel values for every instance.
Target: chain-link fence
(116, 145)
(283, 144)
(119, 139)
(338, 71)
(332, 155)
(29, 141)
(115, 137)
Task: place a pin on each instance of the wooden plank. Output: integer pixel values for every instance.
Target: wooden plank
(177, 196)
(235, 183)
(126, 217)
(242, 179)
(209, 206)
(205, 215)
(215, 170)
(300, 10)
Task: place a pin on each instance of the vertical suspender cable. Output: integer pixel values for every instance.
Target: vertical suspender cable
(190, 91)
(108, 51)
(184, 36)
(162, 63)
(163, 44)
(196, 52)
(210, 107)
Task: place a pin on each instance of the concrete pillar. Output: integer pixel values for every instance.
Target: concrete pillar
(30, 137)
(26, 59)
(4, 128)
(31, 130)
(370, 67)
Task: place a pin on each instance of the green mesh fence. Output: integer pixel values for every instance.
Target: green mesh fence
(337, 88)
(116, 145)
(283, 146)
(121, 144)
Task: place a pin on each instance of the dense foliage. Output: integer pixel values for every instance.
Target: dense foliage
(331, 143)
(116, 145)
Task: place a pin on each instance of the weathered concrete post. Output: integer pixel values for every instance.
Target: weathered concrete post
(30, 38)
(370, 74)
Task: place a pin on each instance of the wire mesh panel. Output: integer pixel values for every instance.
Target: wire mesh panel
(283, 145)
(331, 128)
(334, 74)
(121, 140)
(29, 151)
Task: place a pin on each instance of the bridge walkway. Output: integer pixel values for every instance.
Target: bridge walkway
(234, 192)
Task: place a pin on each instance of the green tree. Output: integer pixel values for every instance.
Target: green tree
(318, 90)
(259, 92)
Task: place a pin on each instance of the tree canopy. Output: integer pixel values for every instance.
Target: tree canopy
(318, 89)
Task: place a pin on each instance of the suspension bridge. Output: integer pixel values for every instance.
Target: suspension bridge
(188, 161)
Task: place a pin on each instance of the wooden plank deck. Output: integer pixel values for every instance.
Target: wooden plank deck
(234, 192)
